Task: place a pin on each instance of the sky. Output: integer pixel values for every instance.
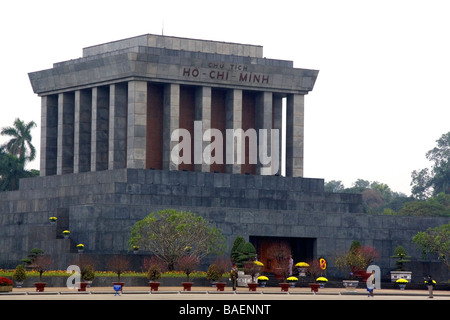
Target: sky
(380, 102)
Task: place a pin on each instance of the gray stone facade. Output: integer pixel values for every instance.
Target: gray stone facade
(99, 209)
(100, 101)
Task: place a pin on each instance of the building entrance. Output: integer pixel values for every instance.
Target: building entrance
(268, 249)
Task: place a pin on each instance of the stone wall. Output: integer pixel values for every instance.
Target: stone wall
(99, 209)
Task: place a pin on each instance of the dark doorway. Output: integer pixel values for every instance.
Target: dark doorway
(302, 249)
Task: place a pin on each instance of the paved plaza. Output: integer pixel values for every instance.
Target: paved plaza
(210, 293)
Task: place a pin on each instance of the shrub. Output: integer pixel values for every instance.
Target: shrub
(188, 264)
(19, 273)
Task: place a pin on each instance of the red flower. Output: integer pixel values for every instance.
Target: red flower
(5, 281)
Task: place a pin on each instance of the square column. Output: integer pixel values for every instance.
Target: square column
(264, 121)
(294, 135)
(49, 135)
(171, 122)
(203, 114)
(137, 123)
(277, 116)
(100, 128)
(118, 107)
(82, 131)
(64, 160)
(233, 113)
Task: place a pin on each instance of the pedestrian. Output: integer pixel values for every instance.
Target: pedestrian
(371, 283)
(430, 284)
(291, 263)
(234, 275)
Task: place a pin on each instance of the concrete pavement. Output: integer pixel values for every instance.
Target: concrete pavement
(210, 293)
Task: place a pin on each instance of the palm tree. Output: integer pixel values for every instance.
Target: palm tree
(12, 170)
(21, 139)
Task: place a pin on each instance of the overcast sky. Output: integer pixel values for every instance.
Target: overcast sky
(381, 100)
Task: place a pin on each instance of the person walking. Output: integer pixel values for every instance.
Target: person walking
(430, 284)
(291, 264)
(234, 275)
(371, 284)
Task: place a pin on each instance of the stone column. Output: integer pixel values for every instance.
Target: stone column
(49, 135)
(66, 104)
(278, 124)
(171, 120)
(82, 131)
(100, 128)
(233, 110)
(118, 106)
(137, 124)
(203, 114)
(264, 124)
(294, 135)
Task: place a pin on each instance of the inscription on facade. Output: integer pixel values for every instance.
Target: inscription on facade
(225, 72)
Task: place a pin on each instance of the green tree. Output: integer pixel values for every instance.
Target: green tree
(20, 143)
(427, 182)
(234, 249)
(433, 206)
(172, 234)
(435, 241)
(12, 169)
(334, 186)
(246, 252)
(402, 258)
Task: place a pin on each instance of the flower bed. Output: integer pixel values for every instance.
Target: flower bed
(5, 284)
(58, 278)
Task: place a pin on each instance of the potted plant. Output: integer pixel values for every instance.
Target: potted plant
(19, 275)
(402, 283)
(215, 273)
(6, 284)
(80, 248)
(400, 269)
(262, 280)
(283, 271)
(322, 281)
(355, 262)
(119, 264)
(252, 268)
(66, 234)
(52, 220)
(135, 249)
(301, 268)
(87, 276)
(314, 271)
(40, 264)
(212, 273)
(188, 264)
(292, 280)
(154, 272)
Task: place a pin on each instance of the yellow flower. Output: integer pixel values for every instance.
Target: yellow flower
(259, 263)
(322, 279)
(302, 264)
(263, 278)
(402, 281)
(292, 279)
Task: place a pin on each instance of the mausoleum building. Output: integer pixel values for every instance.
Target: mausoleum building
(131, 127)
